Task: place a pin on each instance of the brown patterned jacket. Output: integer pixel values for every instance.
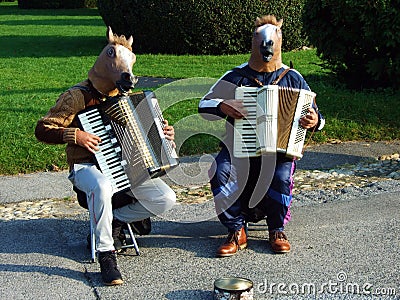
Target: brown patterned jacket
(60, 124)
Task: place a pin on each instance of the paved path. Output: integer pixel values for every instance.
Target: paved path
(338, 247)
(345, 249)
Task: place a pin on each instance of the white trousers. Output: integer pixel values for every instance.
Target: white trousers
(153, 196)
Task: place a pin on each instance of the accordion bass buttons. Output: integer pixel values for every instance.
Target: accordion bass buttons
(110, 132)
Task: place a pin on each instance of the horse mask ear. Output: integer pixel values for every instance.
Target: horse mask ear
(130, 40)
(110, 35)
(280, 22)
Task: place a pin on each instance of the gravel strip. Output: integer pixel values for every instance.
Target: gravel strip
(368, 177)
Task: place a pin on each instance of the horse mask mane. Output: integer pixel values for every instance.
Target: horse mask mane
(112, 72)
(266, 45)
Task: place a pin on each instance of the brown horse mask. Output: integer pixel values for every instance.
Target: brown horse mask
(266, 45)
(112, 72)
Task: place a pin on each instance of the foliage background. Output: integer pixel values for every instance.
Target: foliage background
(199, 27)
(358, 39)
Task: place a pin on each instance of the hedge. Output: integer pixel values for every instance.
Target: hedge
(198, 27)
(357, 39)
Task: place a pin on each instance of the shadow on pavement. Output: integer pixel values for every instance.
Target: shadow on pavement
(322, 160)
(47, 246)
(201, 238)
(189, 294)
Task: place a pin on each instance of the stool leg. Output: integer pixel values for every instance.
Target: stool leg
(92, 241)
(135, 245)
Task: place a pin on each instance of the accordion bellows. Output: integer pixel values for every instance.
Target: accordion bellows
(133, 146)
(272, 124)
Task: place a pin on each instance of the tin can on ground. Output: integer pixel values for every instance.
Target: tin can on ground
(233, 288)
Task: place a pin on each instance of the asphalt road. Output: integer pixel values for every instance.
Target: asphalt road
(341, 250)
(338, 248)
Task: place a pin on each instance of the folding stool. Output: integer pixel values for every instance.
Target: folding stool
(116, 202)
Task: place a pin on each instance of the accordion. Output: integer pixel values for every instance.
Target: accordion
(133, 146)
(272, 124)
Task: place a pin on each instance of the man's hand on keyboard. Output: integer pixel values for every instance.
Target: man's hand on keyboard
(169, 132)
(87, 140)
(233, 108)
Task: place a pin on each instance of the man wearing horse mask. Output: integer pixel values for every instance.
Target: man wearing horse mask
(110, 76)
(255, 188)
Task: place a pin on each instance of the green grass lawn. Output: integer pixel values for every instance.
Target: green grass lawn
(44, 52)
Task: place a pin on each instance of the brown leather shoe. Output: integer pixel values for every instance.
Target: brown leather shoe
(279, 242)
(235, 241)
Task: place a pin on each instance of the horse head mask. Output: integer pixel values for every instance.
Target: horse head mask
(112, 72)
(266, 45)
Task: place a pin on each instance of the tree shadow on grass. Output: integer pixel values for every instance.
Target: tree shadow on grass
(54, 22)
(51, 46)
(15, 11)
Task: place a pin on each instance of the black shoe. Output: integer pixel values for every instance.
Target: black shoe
(117, 235)
(142, 227)
(109, 268)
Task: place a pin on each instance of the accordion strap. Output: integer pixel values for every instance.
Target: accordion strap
(249, 76)
(258, 82)
(283, 74)
(92, 97)
(275, 82)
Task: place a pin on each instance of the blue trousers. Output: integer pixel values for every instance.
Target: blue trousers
(234, 183)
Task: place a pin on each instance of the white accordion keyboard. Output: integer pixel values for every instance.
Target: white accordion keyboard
(109, 155)
(272, 124)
